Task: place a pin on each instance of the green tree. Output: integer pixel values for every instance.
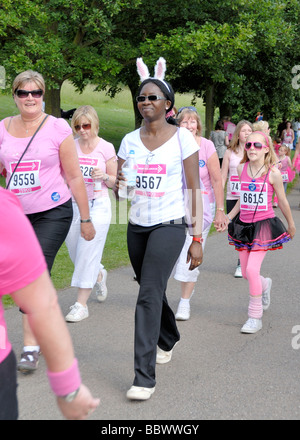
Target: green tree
(60, 39)
(238, 55)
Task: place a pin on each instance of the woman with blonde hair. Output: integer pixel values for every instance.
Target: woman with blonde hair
(231, 160)
(210, 175)
(38, 152)
(98, 163)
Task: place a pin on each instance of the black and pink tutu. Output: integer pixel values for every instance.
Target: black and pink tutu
(267, 235)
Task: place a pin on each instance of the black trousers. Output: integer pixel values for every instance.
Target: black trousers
(51, 228)
(8, 388)
(153, 252)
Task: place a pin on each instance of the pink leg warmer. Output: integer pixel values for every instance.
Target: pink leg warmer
(255, 309)
(251, 264)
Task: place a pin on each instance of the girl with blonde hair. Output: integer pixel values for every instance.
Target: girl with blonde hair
(257, 229)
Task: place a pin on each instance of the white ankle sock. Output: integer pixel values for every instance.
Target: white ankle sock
(31, 348)
(185, 302)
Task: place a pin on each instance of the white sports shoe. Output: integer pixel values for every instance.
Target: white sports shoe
(183, 312)
(238, 272)
(266, 295)
(77, 313)
(252, 326)
(101, 288)
(139, 393)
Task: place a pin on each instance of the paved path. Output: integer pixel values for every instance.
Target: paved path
(215, 373)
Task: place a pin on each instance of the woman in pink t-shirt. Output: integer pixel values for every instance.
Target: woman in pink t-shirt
(98, 163)
(41, 178)
(210, 175)
(23, 275)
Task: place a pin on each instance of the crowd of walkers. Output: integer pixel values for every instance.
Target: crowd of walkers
(58, 181)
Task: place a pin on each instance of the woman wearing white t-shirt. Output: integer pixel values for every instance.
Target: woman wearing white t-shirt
(156, 229)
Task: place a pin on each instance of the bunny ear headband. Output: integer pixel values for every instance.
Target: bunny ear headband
(159, 70)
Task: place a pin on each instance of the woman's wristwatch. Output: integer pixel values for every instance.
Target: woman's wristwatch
(71, 396)
(88, 220)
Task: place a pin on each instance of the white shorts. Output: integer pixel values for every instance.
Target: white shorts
(86, 255)
(181, 270)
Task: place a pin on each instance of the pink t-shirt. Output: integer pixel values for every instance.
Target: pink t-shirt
(207, 148)
(96, 159)
(21, 258)
(257, 194)
(38, 182)
(233, 177)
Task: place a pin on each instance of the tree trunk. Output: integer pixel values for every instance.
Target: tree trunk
(209, 109)
(137, 116)
(225, 110)
(52, 102)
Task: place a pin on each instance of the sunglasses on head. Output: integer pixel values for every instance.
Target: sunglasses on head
(25, 93)
(84, 126)
(257, 145)
(143, 98)
(191, 107)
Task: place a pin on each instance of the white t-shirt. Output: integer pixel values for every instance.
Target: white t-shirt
(159, 194)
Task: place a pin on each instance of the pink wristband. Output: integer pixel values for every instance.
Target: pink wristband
(65, 382)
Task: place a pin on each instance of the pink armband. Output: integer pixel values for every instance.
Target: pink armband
(65, 382)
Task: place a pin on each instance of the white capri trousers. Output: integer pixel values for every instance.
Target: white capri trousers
(87, 255)
(181, 270)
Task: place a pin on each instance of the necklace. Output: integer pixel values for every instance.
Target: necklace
(253, 177)
(35, 123)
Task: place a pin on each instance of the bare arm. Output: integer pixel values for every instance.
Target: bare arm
(49, 327)
(213, 166)
(225, 167)
(119, 177)
(191, 169)
(276, 181)
(70, 165)
(109, 176)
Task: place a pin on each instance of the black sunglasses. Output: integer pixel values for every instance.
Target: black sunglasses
(143, 98)
(256, 145)
(25, 93)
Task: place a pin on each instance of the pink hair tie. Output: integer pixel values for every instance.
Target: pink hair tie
(65, 382)
(264, 135)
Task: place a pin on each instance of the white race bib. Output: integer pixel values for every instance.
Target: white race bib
(235, 185)
(254, 196)
(87, 164)
(151, 180)
(26, 178)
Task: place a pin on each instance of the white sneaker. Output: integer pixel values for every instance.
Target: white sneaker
(139, 393)
(162, 356)
(183, 312)
(238, 272)
(266, 295)
(77, 313)
(101, 288)
(252, 326)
